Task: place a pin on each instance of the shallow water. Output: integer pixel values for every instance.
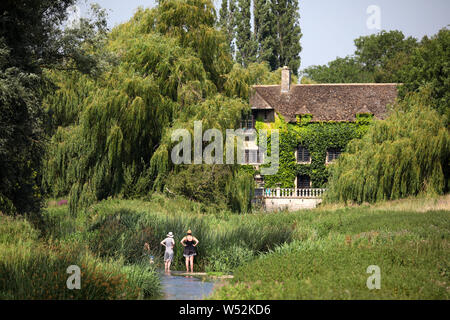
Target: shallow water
(181, 287)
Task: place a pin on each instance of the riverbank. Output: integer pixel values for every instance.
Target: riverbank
(313, 254)
(408, 240)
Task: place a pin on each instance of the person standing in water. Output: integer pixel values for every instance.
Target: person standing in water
(169, 243)
(189, 243)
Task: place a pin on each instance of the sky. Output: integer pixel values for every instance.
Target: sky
(329, 27)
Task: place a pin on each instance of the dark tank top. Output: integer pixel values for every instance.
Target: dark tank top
(189, 249)
(189, 243)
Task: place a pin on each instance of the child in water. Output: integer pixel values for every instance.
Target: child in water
(147, 248)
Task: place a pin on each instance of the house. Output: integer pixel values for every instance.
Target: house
(342, 106)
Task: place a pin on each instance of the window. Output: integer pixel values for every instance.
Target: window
(303, 154)
(253, 157)
(303, 182)
(248, 122)
(333, 154)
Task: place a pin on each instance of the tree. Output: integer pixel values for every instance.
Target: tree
(405, 155)
(288, 34)
(429, 66)
(192, 23)
(33, 41)
(29, 29)
(114, 132)
(341, 70)
(378, 58)
(245, 41)
(265, 32)
(276, 36)
(375, 50)
(21, 138)
(227, 22)
(27, 33)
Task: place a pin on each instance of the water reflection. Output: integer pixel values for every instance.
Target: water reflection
(178, 286)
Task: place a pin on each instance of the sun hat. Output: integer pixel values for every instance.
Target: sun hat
(170, 235)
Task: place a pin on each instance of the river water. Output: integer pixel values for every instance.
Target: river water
(181, 287)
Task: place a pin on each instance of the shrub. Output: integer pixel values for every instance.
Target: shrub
(227, 260)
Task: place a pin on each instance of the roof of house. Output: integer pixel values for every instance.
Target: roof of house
(326, 102)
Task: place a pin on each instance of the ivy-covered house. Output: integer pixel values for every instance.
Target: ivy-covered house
(316, 121)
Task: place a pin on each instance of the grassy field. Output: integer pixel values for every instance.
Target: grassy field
(333, 246)
(313, 254)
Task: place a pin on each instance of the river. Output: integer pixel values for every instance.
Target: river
(179, 286)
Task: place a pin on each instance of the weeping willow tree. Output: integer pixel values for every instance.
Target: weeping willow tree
(407, 154)
(111, 135)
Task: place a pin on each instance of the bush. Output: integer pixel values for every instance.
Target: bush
(227, 260)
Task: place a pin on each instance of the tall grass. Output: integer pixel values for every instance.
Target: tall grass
(33, 269)
(332, 249)
(119, 229)
(318, 253)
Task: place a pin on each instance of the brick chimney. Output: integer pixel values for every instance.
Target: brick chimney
(285, 79)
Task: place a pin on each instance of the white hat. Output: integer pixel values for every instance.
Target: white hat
(170, 235)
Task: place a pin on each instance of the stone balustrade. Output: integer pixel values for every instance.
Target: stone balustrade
(290, 193)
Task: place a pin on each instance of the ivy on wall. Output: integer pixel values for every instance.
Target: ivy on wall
(317, 137)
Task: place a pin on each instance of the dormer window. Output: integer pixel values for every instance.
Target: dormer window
(303, 155)
(333, 154)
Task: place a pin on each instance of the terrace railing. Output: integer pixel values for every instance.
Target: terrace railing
(290, 193)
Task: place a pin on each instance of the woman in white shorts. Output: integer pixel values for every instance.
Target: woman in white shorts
(169, 243)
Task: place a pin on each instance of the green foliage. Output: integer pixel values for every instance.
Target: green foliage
(287, 34)
(376, 50)
(21, 138)
(264, 32)
(240, 190)
(32, 38)
(203, 183)
(378, 57)
(227, 23)
(81, 45)
(112, 134)
(33, 269)
(317, 137)
(404, 155)
(31, 30)
(228, 260)
(429, 66)
(276, 36)
(341, 70)
(117, 229)
(245, 40)
(192, 22)
(333, 248)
